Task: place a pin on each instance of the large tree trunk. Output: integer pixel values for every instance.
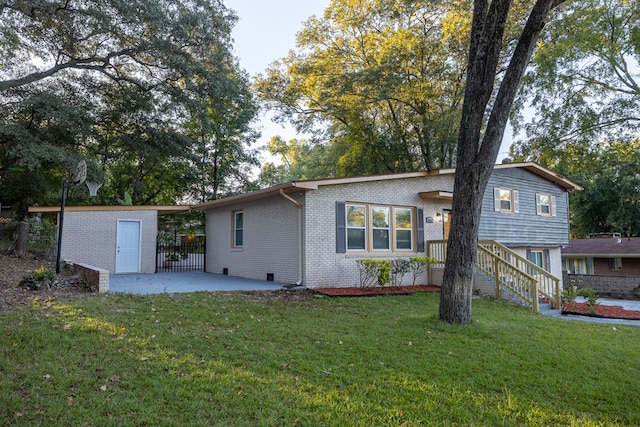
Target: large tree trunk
(477, 154)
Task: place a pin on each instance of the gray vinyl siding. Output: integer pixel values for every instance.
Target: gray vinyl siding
(524, 228)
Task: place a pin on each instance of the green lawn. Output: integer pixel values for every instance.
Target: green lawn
(238, 360)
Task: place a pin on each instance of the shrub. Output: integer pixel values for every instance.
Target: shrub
(399, 267)
(590, 295)
(39, 278)
(374, 272)
(383, 271)
(419, 265)
(568, 295)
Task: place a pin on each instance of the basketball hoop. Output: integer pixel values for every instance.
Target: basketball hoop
(80, 174)
(93, 188)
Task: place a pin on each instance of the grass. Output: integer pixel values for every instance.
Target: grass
(234, 359)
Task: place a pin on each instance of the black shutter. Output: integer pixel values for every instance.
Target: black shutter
(420, 228)
(341, 229)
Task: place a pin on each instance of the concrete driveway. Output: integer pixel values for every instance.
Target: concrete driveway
(188, 281)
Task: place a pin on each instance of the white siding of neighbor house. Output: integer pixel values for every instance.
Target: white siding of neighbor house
(326, 268)
(270, 240)
(89, 237)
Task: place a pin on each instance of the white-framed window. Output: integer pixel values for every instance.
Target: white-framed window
(404, 226)
(356, 227)
(380, 228)
(506, 200)
(376, 228)
(237, 239)
(545, 204)
(536, 257)
(615, 263)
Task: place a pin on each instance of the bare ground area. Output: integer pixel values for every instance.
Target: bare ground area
(13, 268)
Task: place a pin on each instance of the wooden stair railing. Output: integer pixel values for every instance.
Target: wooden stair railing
(510, 272)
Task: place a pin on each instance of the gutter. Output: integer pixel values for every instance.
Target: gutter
(299, 206)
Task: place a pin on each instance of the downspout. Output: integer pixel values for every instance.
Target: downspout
(299, 206)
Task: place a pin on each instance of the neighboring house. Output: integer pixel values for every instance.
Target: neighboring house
(120, 239)
(312, 232)
(610, 265)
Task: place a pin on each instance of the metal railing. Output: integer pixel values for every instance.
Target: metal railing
(510, 271)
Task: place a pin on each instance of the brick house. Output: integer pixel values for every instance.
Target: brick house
(609, 265)
(312, 232)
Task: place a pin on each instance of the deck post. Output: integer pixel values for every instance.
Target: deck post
(496, 267)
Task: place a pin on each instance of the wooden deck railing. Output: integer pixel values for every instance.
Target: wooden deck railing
(509, 271)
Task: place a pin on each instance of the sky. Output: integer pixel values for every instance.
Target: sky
(265, 32)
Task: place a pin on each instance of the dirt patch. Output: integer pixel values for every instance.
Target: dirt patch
(14, 268)
(377, 291)
(601, 310)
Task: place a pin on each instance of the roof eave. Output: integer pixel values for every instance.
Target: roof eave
(543, 172)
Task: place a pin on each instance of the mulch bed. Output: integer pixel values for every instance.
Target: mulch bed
(377, 291)
(604, 311)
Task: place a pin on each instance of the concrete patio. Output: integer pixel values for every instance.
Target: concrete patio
(189, 281)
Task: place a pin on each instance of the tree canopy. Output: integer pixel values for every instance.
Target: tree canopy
(584, 83)
(381, 81)
(134, 87)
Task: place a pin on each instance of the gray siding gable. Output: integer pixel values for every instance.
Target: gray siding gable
(524, 228)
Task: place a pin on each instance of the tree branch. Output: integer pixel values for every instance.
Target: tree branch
(511, 81)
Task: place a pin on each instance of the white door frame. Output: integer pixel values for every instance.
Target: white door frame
(118, 266)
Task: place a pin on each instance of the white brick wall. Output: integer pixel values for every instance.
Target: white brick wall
(89, 237)
(270, 235)
(326, 268)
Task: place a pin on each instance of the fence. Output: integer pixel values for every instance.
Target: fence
(185, 254)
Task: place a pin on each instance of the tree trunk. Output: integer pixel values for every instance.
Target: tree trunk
(476, 153)
(22, 239)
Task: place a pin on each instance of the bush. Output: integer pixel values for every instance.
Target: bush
(419, 265)
(590, 295)
(374, 272)
(568, 295)
(383, 271)
(41, 277)
(399, 267)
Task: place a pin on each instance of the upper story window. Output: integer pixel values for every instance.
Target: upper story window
(372, 228)
(545, 204)
(506, 200)
(238, 229)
